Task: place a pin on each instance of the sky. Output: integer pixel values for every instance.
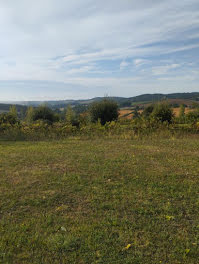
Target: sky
(61, 49)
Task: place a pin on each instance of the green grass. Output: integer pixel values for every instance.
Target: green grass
(84, 201)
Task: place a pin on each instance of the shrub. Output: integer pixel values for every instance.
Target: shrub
(13, 111)
(192, 117)
(105, 111)
(181, 117)
(162, 112)
(29, 114)
(8, 118)
(46, 114)
(71, 117)
(148, 111)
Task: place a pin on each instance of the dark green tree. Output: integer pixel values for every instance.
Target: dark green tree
(105, 111)
(44, 113)
(148, 111)
(162, 112)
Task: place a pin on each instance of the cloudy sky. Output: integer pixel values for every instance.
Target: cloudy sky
(61, 49)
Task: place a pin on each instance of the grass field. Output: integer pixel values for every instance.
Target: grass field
(100, 201)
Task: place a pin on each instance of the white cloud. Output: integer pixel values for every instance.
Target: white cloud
(50, 40)
(161, 70)
(79, 70)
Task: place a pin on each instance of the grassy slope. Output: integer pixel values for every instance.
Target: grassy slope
(85, 201)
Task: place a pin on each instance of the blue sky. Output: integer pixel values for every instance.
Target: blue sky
(83, 48)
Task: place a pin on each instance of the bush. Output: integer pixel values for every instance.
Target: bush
(192, 117)
(105, 111)
(29, 115)
(44, 113)
(148, 111)
(71, 117)
(8, 118)
(162, 112)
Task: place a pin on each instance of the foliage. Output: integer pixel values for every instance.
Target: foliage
(70, 116)
(79, 109)
(136, 113)
(8, 118)
(45, 113)
(148, 111)
(13, 111)
(181, 116)
(41, 124)
(105, 111)
(162, 112)
(195, 105)
(193, 116)
(29, 114)
(182, 111)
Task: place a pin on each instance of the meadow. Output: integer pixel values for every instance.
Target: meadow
(100, 200)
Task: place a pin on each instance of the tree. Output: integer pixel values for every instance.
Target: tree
(162, 112)
(136, 113)
(13, 111)
(148, 110)
(29, 114)
(45, 113)
(105, 111)
(182, 111)
(70, 115)
(193, 116)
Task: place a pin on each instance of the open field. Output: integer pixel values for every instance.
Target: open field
(176, 111)
(100, 201)
(127, 113)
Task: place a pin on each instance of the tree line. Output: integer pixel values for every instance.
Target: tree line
(104, 111)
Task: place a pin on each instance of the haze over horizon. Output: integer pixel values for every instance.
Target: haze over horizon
(83, 48)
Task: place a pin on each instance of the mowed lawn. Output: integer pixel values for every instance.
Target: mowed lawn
(100, 201)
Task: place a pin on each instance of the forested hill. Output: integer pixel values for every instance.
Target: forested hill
(6, 107)
(122, 101)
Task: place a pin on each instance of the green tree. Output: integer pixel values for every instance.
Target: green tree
(29, 114)
(162, 112)
(182, 111)
(13, 111)
(148, 111)
(193, 116)
(136, 113)
(70, 115)
(105, 111)
(44, 113)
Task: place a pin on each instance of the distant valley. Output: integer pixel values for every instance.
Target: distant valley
(188, 99)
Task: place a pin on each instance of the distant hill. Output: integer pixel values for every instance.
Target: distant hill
(178, 98)
(6, 107)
